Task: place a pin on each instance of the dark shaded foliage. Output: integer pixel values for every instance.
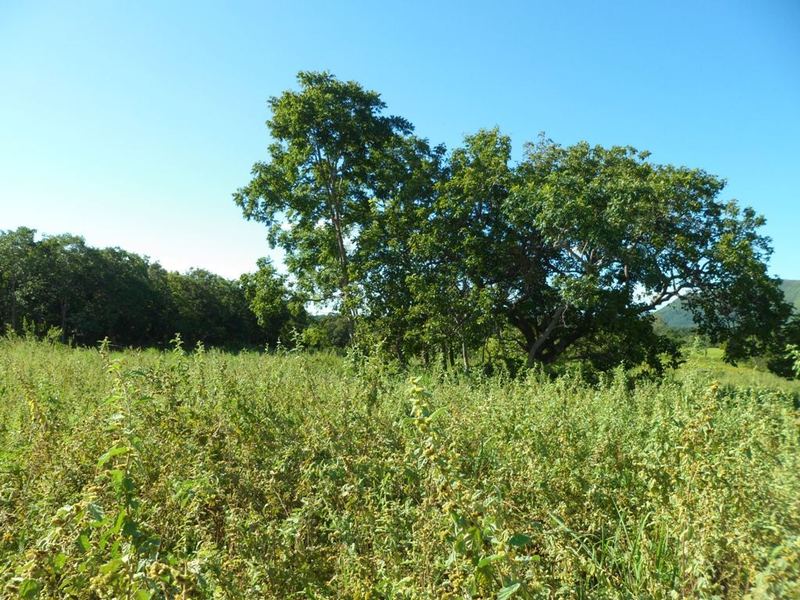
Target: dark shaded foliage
(92, 293)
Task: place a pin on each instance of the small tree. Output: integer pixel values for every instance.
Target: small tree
(276, 308)
(794, 354)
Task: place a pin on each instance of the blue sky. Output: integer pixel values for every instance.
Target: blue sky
(132, 123)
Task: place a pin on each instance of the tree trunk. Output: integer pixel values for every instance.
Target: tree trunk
(64, 306)
(334, 206)
(344, 277)
(543, 337)
(14, 315)
(13, 296)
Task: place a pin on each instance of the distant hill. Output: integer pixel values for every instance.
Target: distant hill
(674, 315)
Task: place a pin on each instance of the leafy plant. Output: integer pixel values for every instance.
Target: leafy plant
(211, 475)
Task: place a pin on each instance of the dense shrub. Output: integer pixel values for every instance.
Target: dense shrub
(164, 475)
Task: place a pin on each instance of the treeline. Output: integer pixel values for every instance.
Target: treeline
(92, 293)
(439, 256)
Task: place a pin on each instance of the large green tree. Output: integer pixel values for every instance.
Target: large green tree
(21, 276)
(572, 248)
(212, 310)
(324, 180)
(461, 249)
(576, 246)
(388, 267)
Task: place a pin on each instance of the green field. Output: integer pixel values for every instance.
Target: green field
(211, 475)
(708, 362)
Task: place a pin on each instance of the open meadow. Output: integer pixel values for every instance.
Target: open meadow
(211, 475)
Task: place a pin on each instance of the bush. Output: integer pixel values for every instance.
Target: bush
(167, 474)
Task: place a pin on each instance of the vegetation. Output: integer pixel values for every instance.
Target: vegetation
(91, 293)
(564, 255)
(550, 444)
(560, 257)
(166, 474)
(707, 361)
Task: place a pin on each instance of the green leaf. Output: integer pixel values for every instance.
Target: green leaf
(436, 413)
(508, 591)
(115, 551)
(487, 560)
(115, 451)
(129, 528)
(111, 566)
(59, 560)
(142, 595)
(30, 588)
(117, 477)
(119, 521)
(83, 543)
(64, 511)
(96, 512)
(519, 540)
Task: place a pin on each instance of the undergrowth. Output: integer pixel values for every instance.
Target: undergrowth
(206, 475)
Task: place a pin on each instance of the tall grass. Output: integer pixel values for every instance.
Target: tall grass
(165, 475)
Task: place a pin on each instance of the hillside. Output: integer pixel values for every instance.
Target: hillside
(676, 316)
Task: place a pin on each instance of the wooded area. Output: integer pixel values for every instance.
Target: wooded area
(562, 255)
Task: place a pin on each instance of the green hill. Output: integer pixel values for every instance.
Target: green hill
(791, 289)
(674, 315)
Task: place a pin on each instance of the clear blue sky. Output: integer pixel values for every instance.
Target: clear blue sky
(131, 123)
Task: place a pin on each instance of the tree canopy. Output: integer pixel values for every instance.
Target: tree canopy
(563, 254)
(92, 293)
(334, 161)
